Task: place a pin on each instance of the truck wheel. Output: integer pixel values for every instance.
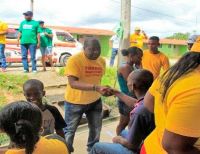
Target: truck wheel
(64, 58)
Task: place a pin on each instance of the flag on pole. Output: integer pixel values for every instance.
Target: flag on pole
(119, 30)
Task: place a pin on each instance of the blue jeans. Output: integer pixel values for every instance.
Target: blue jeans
(2, 56)
(73, 115)
(24, 49)
(110, 148)
(113, 55)
(124, 133)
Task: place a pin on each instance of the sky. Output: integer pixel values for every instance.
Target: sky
(155, 17)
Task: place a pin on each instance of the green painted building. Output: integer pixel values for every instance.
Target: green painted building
(171, 47)
(103, 35)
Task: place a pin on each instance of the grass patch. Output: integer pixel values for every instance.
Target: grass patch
(12, 83)
(61, 71)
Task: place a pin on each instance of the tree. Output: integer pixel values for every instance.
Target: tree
(179, 36)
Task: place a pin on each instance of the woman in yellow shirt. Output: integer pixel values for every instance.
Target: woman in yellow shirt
(175, 100)
(22, 122)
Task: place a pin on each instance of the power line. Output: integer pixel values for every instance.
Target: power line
(158, 13)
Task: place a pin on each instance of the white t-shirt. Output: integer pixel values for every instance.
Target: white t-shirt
(115, 41)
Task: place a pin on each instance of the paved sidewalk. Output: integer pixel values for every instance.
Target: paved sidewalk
(80, 141)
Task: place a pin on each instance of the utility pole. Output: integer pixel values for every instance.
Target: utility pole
(32, 4)
(126, 24)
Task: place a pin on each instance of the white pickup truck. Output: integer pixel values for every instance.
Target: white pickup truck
(64, 46)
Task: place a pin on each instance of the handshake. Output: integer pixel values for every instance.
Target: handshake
(106, 90)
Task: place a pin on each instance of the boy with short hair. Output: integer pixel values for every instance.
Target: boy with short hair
(141, 120)
(52, 119)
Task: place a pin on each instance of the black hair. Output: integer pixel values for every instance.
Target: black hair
(41, 22)
(143, 79)
(21, 121)
(186, 64)
(91, 41)
(34, 83)
(154, 38)
(132, 50)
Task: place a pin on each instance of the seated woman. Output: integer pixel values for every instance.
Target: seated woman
(22, 122)
(175, 100)
(141, 120)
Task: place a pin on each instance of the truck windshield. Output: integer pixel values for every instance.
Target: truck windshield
(64, 37)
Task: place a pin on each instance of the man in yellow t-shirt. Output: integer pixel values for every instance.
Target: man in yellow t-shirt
(154, 60)
(3, 32)
(174, 99)
(83, 94)
(137, 39)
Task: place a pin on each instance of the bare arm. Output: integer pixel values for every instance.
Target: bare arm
(149, 102)
(126, 99)
(145, 35)
(122, 141)
(18, 38)
(180, 145)
(38, 38)
(4, 32)
(76, 84)
(49, 35)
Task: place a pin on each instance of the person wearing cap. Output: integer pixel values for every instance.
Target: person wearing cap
(191, 41)
(3, 32)
(137, 39)
(174, 99)
(29, 39)
(46, 38)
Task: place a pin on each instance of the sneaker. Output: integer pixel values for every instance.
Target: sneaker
(3, 69)
(26, 71)
(34, 71)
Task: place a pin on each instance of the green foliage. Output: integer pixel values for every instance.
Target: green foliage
(12, 83)
(110, 101)
(61, 71)
(4, 139)
(179, 36)
(110, 77)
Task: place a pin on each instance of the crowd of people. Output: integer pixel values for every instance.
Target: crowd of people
(158, 104)
(32, 35)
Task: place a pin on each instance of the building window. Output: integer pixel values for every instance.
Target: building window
(169, 46)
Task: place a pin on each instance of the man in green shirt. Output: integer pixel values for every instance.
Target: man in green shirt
(46, 38)
(29, 39)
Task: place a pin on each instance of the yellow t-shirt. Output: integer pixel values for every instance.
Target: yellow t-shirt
(88, 71)
(137, 40)
(178, 113)
(3, 27)
(44, 146)
(155, 62)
